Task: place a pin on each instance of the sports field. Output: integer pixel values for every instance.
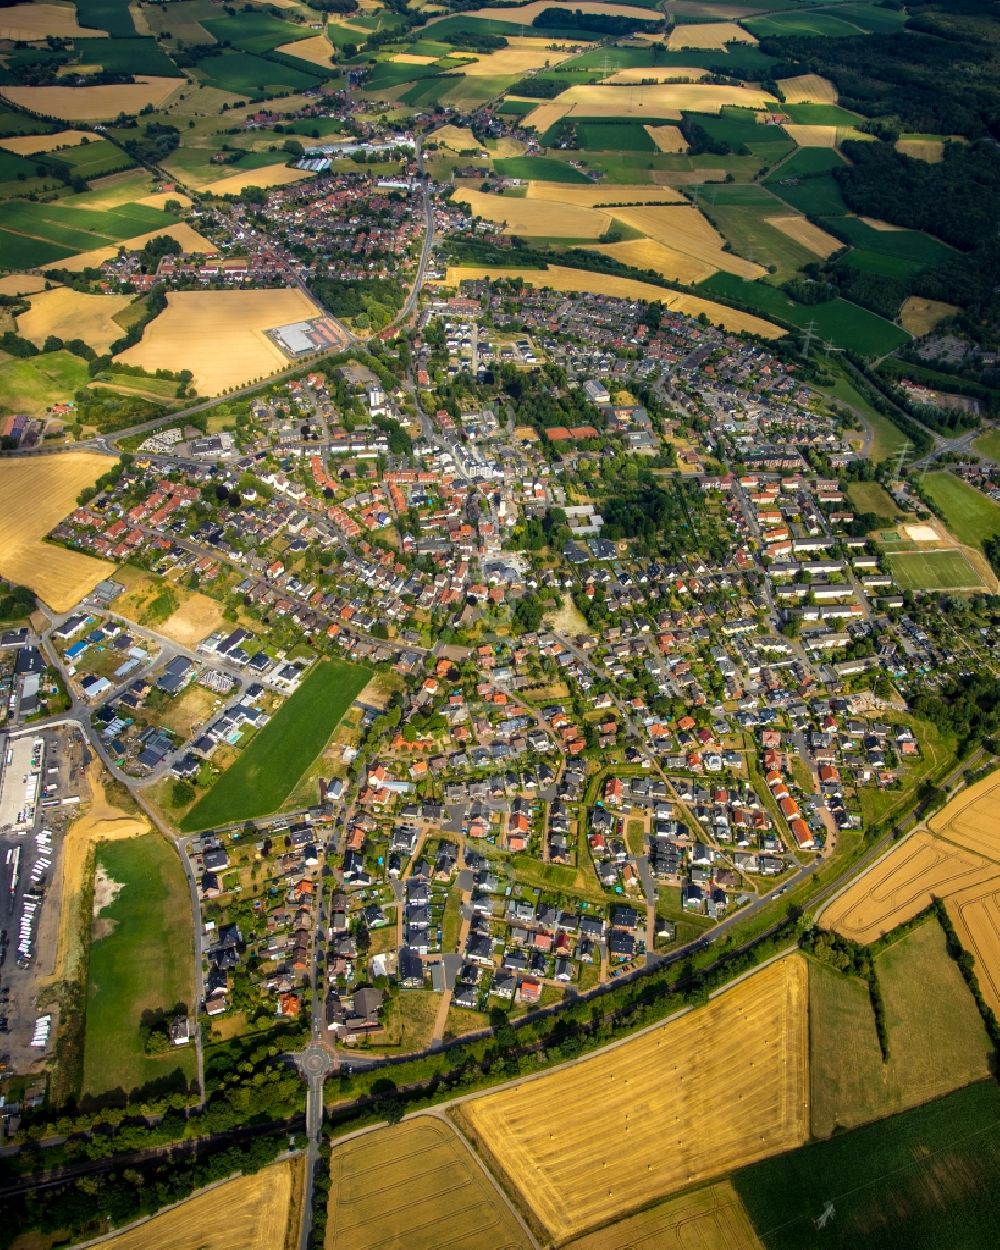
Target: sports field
(251, 1212)
(903, 883)
(266, 772)
(712, 1218)
(416, 1184)
(70, 314)
(688, 1100)
(141, 960)
(921, 1179)
(919, 316)
(220, 335)
(35, 495)
(970, 515)
(934, 570)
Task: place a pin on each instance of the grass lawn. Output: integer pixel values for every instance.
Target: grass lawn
(933, 570)
(872, 497)
(970, 515)
(922, 1179)
(141, 959)
(266, 772)
(988, 445)
(32, 383)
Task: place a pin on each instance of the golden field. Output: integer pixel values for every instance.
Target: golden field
(317, 50)
(720, 1087)
(195, 618)
(458, 138)
(28, 145)
(919, 316)
(812, 136)
(536, 217)
(189, 239)
(685, 229)
(416, 1184)
(250, 1212)
(650, 73)
(560, 278)
(72, 314)
(664, 101)
(803, 231)
(975, 913)
(808, 89)
(528, 12)
(930, 150)
(36, 493)
(708, 35)
(268, 176)
(712, 1218)
(36, 21)
(527, 54)
(667, 138)
(21, 283)
(903, 883)
(219, 335)
(94, 104)
(412, 58)
(972, 818)
(666, 261)
(594, 196)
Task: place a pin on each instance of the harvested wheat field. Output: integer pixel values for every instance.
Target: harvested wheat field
(812, 136)
(930, 150)
(35, 495)
(667, 138)
(21, 283)
(654, 74)
(159, 199)
(28, 145)
(919, 316)
(250, 1212)
(267, 176)
(36, 21)
(975, 913)
(94, 104)
(808, 89)
(536, 217)
(712, 1218)
(189, 239)
(721, 1087)
(803, 231)
(219, 335)
(685, 229)
(972, 818)
(595, 196)
(529, 54)
(416, 1184)
(72, 314)
(317, 50)
(560, 278)
(458, 138)
(660, 100)
(666, 261)
(708, 35)
(903, 883)
(527, 13)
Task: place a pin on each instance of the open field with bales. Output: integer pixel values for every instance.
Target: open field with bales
(712, 1218)
(70, 314)
(99, 103)
(560, 278)
(416, 1184)
(708, 35)
(219, 335)
(35, 495)
(251, 1212)
(903, 883)
(266, 772)
(722, 1085)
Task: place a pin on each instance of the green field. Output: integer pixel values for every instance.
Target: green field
(258, 32)
(887, 438)
(988, 445)
(141, 960)
(872, 497)
(613, 136)
(816, 195)
(540, 168)
(267, 771)
(805, 162)
(970, 515)
(68, 229)
(12, 123)
(94, 160)
(844, 21)
(739, 212)
(110, 15)
(922, 1180)
(253, 76)
(126, 56)
(31, 384)
(933, 570)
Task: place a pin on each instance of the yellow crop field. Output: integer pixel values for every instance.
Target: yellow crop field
(189, 239)
(683, 228)
(667, 138)
(975, 913)
(159, 199)
(35, 495)
(972, 818)
(268, 176)
(594, 196)
(94, 104)
(668, 263)
(812, 136)
(458, 138)
(648, 73)
(720, 1087)
(877, 224)
(708, 35)
(220, 335)
(527, 13)
(317, 50)
(21, 284)
(36, 21)
(250, 1212)
(514, 60)
(712, 1218)
(808, 89)
(663, 101)
(416, 1184)
(930, 150)
(28, 145)
(72, 314)
(411, 58)
(919, 316)
(803, 231)
(546, 115)
(536, 217)
(902, 884)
